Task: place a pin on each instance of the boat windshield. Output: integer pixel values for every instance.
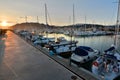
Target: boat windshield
(86, 48)
(81, 52)
(112, 57)
(110, 49)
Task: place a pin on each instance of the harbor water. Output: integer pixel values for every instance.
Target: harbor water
(100, 43)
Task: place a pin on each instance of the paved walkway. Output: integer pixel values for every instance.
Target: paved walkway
(22, 61)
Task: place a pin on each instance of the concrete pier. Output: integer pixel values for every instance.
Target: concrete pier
(21, 61)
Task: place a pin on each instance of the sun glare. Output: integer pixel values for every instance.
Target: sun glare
(4, 23)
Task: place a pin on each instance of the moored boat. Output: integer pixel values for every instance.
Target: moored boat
(63, 48)
(83, 54)
(107, 66)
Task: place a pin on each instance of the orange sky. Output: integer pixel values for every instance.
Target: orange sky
(60, 11)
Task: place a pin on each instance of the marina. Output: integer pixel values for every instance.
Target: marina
(32, 60)
(43, 40)
(87, 65)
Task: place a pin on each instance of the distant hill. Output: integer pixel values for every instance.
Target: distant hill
(77, 26)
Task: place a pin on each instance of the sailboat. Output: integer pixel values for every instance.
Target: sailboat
(64, 47)
(82, 54)
(44, 41)
(107, 66)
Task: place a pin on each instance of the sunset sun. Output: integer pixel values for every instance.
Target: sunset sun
(4, 23)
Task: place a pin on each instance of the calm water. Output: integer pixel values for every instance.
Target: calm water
(98, 42)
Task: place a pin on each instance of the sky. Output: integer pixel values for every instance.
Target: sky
(60, 12)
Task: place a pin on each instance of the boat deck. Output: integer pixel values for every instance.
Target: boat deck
(21, 61)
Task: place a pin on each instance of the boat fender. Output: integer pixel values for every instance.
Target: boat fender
(88, 57)
(51, 53)
(95, 64)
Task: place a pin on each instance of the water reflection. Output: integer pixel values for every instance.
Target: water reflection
(98, 42)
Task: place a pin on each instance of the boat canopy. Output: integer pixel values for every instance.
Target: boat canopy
(81, 51)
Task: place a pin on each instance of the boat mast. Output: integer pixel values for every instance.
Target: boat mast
(117, 24)
(73, 22)
(46, 20)
(73, 16)
(26, 19)
(85, 24)
(37, 19)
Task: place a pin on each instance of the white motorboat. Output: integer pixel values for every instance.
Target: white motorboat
(42, 41)
(63, 48)
(83, 54)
